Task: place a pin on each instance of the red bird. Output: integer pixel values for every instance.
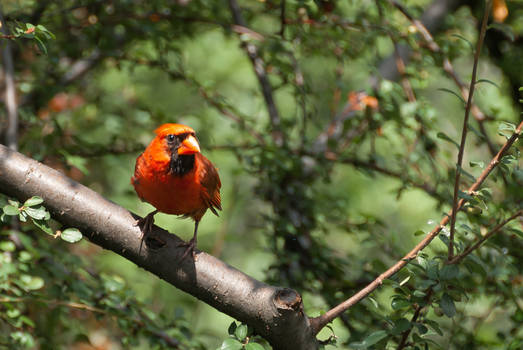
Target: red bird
(173, 176)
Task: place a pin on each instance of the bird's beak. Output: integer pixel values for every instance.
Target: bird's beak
(189, 146)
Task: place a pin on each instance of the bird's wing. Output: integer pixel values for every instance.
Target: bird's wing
(210, 181)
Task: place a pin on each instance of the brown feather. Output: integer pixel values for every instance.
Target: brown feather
(211, 184)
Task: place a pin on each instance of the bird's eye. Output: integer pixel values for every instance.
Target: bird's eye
(170, 137)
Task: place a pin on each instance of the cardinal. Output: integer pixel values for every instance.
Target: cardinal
(173, 176)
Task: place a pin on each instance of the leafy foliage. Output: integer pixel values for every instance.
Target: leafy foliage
(361, 167)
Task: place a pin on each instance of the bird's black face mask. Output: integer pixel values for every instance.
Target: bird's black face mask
(179, 165)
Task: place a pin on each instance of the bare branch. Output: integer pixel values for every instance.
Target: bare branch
(319, 322)
(482, 32)
(456, 259)
(261, 74)
(275, 313)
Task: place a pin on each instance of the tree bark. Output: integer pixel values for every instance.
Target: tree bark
(275, 313)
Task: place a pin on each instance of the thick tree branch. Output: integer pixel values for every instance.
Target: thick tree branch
(464, 130)
(275, 313)
(319, 322)
(261, 74)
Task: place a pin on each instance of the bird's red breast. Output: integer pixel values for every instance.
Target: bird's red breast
(173, 176)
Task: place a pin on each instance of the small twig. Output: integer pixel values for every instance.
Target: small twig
(261, 74)
(400, 64)
(7, 36)
(231, 115)
(11, 133)
(456, 259)
(317, 323)
(399, 175)
(282, 19)
(414, 318)
(70, 304)
(482, 32)
(448, 68)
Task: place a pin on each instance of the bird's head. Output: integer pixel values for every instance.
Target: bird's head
(177, 143)
(177, 139)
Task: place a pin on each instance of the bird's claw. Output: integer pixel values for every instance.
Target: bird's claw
(190, 248)
(146, 226)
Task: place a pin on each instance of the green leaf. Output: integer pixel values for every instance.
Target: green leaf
(71, 235)
(405, 280)
(449, 272)
(44, 226)
(231, 344)
(11, 210)
(434, 325)
(41, 45)
(46, 32)
(478, 164)
(447, 305)
(253, 346)
(401, 326)
(419, 293)
(453, 93)
(433, 268)
(461, 37)
(419, 233)
(33, 201)
(399, 303)
(516, 231)
(232, 328)
(36, 213)
(27, 321)
(443, 136)
(465, 195)
(7, 246)
(487, 81)
(76, 161)
(241, 332)
(373, 301)
(375, 337)
(422, 329)
(25, 256)
(506, 129)
(23, 338)
(32, 282)
(13, 313)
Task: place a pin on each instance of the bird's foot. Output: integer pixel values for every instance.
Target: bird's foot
(190, 248)
(146, 226)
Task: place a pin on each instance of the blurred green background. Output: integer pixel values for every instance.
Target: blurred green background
(187, 66)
